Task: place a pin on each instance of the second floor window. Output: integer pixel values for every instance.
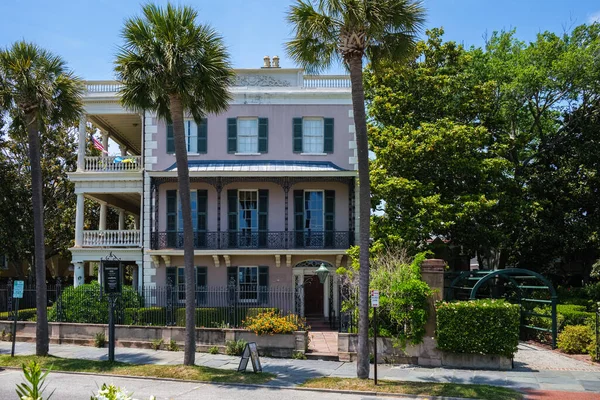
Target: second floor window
(194, 200)
(195, 136)
(191, 136)
(312, 135)
(247, 135)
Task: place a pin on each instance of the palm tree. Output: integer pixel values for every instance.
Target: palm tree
(38, 91)
(347, 32)
(170, 64)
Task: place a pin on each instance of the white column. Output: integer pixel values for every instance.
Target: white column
(326, 296)
(103, 212)
(123, 150)
(136, 222)
(78, 274)
(121, 220)
(100, 273)
(79, 217)
(82, 143)
(135, 278)
(105, 141)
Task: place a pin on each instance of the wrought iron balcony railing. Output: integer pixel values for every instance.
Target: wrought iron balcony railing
(256, 240)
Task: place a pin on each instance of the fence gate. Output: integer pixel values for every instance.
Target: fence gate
(532, 291)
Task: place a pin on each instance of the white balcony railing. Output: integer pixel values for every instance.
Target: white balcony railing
(327, 81)
(112, 163)
(103, 86)
(129, 238)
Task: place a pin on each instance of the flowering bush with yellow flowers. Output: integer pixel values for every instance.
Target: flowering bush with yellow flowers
(272, 323)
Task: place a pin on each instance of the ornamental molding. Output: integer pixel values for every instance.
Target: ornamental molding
(260, 80)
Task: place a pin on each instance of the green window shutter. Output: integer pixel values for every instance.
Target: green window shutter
(172, 218)
(170, 139)
(202, 136)
(232, 217)
(232, 276)
(263, 135)
(299, 218)
(200, 234)
(172, 276)
(329, 218)
(328, 135)
(231, 135)
(263, 217)
(263, 284)
(201, 283)
(297, 131)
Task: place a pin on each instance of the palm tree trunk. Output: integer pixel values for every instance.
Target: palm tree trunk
(41, 327)
(183, 176)
(364, 214)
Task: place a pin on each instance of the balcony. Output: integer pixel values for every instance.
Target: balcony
(256, 240)
(113, 164)
(124, 238)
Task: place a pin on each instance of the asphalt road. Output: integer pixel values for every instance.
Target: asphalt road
(74, 386)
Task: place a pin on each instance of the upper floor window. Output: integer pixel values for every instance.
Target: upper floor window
(3, 261)
(247, 135)
(195, 136)
(313, 135)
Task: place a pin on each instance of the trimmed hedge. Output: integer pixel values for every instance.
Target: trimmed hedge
(216, 317)
(576, 339)
(26, 314)
(574, 314)
(478, 327)
(148, 316)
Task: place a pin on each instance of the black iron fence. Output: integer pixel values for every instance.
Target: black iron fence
(216, 307)
(348, 307)
(257, 240)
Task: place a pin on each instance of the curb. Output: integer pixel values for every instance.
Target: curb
(261, 386)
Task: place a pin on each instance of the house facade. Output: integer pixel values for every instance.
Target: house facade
(273, 189)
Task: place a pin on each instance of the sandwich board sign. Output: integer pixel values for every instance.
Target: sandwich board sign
(250, 353)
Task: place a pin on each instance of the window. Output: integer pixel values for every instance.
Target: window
(191, 136)
(247, 217)
(176, 278)
(194, 200)
(313, 218)
(247, 135)
(312, 135)
(3, 262)
(248, 284)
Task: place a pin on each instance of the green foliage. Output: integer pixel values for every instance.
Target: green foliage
(157, 343)
(592, 291)
(147, 316)
(235, 347)
(575, 339)
(271, 323)
(99, 339)
(298, 355)
(478, 327)
(173, 346)
(209, 317)
(26, 314)
(574, 315)
(213, 350)
(34, 388)
(83, 304)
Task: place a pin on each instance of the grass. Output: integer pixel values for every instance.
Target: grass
(192, 373)
(421, 388)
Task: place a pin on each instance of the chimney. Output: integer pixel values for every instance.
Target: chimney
(267, 62)
(276, 62)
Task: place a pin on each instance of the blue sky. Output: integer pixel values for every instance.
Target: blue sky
(86, 32)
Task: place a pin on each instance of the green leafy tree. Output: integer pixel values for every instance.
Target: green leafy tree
(349, 32)
(170, 64)
(38, 91)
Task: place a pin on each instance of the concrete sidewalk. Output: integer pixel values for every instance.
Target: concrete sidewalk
(292, 372)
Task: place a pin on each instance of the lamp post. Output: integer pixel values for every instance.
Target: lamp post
(322, 273)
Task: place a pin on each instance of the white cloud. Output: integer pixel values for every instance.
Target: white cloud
(594, 17)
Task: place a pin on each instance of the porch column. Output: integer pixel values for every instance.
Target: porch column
(135, 277)
(78, 274)
(136, 222)
(123, 150)
(105, 141)
(103, 212)
(82, 143)
(79, 217)
(140, 276)
(121, 220)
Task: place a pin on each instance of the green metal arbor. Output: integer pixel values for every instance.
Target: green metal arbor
(522, 286)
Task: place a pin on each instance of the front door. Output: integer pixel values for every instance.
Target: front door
(313, 296)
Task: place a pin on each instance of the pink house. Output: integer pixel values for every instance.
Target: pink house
(273, 190)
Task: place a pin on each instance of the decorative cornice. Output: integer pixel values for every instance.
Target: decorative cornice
(260, 80)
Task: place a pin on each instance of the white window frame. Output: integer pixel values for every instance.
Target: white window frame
(239, 135)
(255, 300)
(322, 136)
(191, 141)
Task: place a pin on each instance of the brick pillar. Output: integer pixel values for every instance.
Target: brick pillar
(432, 272)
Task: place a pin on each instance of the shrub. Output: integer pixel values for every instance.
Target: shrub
(213, 350)
(573, 314)
(271, 323)
(204, 316)
(173, 346)
(157, 344)
(83, 304)
(26, 314)
(575, 339)
(478, 326)
(99, 339)
(298, 355)
(235, 347)
(146, 316)
(592, 291)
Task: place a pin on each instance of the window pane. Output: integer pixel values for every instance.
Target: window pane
(313, 219)
(194, 200)
(191, 136)
(247, 135)
(181, 283)
(312, 135)
(248, 283)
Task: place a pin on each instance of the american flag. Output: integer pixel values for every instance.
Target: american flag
(98, 145)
